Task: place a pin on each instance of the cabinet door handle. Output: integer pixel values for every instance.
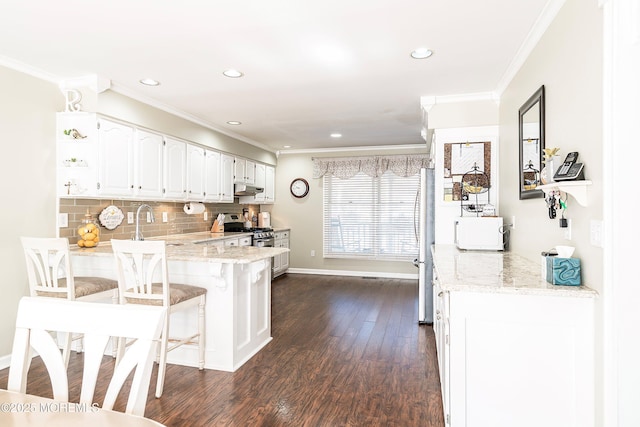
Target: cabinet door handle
(440, 294)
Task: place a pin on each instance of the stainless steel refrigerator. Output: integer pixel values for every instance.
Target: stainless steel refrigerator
(424, 220)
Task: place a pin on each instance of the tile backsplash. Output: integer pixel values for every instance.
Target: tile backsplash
(178, 222)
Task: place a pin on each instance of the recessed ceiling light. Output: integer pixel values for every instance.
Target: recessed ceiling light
(232, 73)
(421, 53)
(336, 135)
(234, 122)
(286, 146)
(150, 82)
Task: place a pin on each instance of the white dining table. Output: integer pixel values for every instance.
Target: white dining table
(18, 409)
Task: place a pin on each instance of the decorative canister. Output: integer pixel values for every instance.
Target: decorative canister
(88, 232)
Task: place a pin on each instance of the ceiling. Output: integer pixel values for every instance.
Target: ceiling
(310, 69)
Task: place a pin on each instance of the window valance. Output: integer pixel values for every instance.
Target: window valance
(374, 166)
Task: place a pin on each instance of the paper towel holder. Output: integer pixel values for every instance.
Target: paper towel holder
(194, 208)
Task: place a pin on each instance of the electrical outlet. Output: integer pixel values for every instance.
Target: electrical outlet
(165, 217)
(206, 215)
(148, 216)
(567, 230)
(513, 222)
(129, 217)
(313, 252)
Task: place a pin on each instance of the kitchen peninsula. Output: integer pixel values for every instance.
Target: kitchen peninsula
(512, 348)
(238, 283)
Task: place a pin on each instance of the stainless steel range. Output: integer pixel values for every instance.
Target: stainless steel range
(261, 237)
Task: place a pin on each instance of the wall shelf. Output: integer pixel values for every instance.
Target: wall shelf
(578, 189)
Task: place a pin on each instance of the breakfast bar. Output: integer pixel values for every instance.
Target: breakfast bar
(238, 301)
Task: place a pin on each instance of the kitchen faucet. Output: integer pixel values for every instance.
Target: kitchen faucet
(138, 235)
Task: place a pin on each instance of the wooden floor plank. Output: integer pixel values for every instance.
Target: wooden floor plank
(345, 352)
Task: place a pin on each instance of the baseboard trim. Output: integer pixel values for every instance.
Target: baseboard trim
(385, 275)
(5, 361)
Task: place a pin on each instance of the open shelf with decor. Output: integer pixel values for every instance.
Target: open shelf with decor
(577, 189)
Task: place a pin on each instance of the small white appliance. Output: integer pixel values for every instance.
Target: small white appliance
(479, 233)
(264, 220)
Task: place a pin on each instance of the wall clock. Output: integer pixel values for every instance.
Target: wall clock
(299, 187)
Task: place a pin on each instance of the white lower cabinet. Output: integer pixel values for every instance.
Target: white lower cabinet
(508, 359)
(281, 262)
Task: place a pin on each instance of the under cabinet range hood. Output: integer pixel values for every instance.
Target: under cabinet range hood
(247, 190)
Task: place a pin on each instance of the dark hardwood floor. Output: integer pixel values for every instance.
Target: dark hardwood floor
(345, 352)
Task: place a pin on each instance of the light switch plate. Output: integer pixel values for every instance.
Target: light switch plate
(165, 217)
(148, 216)
(63, 220)
(206, 215)
(596, 233)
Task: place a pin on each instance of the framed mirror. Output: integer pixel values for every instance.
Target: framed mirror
(531, 141)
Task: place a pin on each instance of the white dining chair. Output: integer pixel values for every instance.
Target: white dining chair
(50, 274)
(98, 322)
(143, 278)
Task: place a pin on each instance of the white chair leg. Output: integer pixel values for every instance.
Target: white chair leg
(114, 300)
(201, 332)
(162, 365)
(66, 348)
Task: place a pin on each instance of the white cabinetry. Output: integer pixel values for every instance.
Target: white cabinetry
(270, 184)
(212, 191)
(175, 156)
(441, 333)
(195, 172)
(226, 178)
(260, 182)
(103, 158)
(281, 262)
(148, 154)
(218, 182)
(244, 171)
(512, 350)
(115, 159)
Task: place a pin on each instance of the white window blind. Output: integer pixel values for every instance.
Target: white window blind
(370, 217)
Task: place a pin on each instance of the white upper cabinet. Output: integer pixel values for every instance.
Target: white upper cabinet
(260, 181)
(212, 192)
(244, 171)
(270, 184)
(102, 158)
(115, 165)
(195, 172)
(226, 178)
(175, 163)
(148, 154)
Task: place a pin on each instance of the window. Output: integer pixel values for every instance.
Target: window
(370, 217)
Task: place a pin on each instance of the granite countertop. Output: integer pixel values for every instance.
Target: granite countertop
(495, 272)
(193, 247)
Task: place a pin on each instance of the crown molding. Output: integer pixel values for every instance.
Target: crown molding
(346, 149)
(186, 116)
(541, 25)
(28, 69)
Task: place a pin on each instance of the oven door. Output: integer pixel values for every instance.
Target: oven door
(264, 242)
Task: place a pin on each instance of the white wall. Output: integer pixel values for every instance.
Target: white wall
(621, 294)
(27, 177)
(304, 216)
(568, 62)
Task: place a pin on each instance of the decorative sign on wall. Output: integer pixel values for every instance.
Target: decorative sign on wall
(111, 217)
(460, 158)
